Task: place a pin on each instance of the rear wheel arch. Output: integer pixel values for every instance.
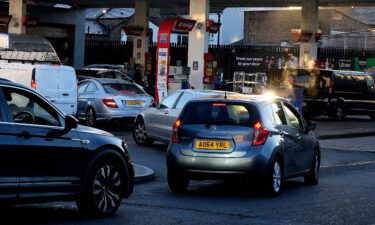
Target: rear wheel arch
(139, 118)
(277, 155)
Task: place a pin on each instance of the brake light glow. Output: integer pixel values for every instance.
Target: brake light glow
(33, 84)
(110, 103)
(219, 104)
(127, 92)
(260, 134)
(176, 126)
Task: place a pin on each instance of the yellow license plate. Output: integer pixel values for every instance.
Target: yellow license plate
(216, 145)
(133, 102)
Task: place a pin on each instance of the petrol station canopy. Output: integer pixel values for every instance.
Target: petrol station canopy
(215, 3)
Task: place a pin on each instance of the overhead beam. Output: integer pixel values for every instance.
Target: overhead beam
(214, 3)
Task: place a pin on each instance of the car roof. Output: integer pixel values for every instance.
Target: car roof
(203, 93)
(9, 82)
(257, 99)
(108, 81)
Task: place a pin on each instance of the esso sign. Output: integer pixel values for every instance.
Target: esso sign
(184, 24)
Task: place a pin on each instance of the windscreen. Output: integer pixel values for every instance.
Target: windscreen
(220, 113)
(117, 88)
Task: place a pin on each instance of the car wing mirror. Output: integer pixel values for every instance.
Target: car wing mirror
(311, 125)
(70, 123)
(154, 105)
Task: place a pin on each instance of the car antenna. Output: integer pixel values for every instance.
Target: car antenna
(225, 95)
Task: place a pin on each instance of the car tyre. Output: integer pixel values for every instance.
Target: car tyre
(104, 190)
(177, 181)
(274, 182)
(338, 113)
(312, 177)
(140, 134)
(90, 117)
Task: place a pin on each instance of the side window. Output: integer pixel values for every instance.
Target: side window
(293, 117)
(185, 98)
(118, 76)
(268, 113)
(28, 108)
(109, 75)
(91, 88)
(82, 87)
(278, 114)
(170, 100)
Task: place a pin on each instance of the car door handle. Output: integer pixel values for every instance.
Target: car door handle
(65, 94)
(24, 135)
(166, 113)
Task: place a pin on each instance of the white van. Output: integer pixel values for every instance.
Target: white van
(56, 83)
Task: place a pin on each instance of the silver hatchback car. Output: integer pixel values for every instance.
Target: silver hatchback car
(252, 137)
(155, 123)
(110, 99)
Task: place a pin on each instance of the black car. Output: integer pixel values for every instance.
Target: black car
(337, 93)
(46, 156)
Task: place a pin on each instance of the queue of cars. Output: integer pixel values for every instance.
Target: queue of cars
(211, 135)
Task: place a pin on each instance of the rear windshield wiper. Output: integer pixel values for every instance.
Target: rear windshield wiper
(220, 122)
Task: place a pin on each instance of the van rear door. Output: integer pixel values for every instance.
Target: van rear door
(67, 90)
(59, 85)
(47, 82)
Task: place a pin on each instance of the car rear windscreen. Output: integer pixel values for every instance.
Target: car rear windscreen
(117, 88)
(220, 113)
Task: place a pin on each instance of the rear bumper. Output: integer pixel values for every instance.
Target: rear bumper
(254, 163)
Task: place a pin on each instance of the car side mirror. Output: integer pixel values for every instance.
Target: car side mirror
(70, 123)
(154, 105)
(161, 106)
(311, 125)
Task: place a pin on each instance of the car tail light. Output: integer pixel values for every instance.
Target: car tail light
(260, 134)
(176, 126)
(110, 103)
(33, 84)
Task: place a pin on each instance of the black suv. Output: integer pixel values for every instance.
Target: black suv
(46, 156)
(337, 93)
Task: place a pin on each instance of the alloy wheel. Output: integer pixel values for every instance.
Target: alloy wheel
(107, 188)
(317, 164)
(90, 117)
(276, 177)
(140, 133)
(339, 113)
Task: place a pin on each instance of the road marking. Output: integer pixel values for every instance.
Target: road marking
(350, 164)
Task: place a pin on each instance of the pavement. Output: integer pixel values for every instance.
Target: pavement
(143, 173)
(352, 126)
(355, 133)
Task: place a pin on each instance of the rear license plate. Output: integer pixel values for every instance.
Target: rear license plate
(133, 102)
(215, 145)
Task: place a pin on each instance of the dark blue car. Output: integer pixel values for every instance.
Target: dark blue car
(46, 156)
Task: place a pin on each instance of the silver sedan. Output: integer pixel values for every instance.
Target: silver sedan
(155, 123)
(109, 99)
